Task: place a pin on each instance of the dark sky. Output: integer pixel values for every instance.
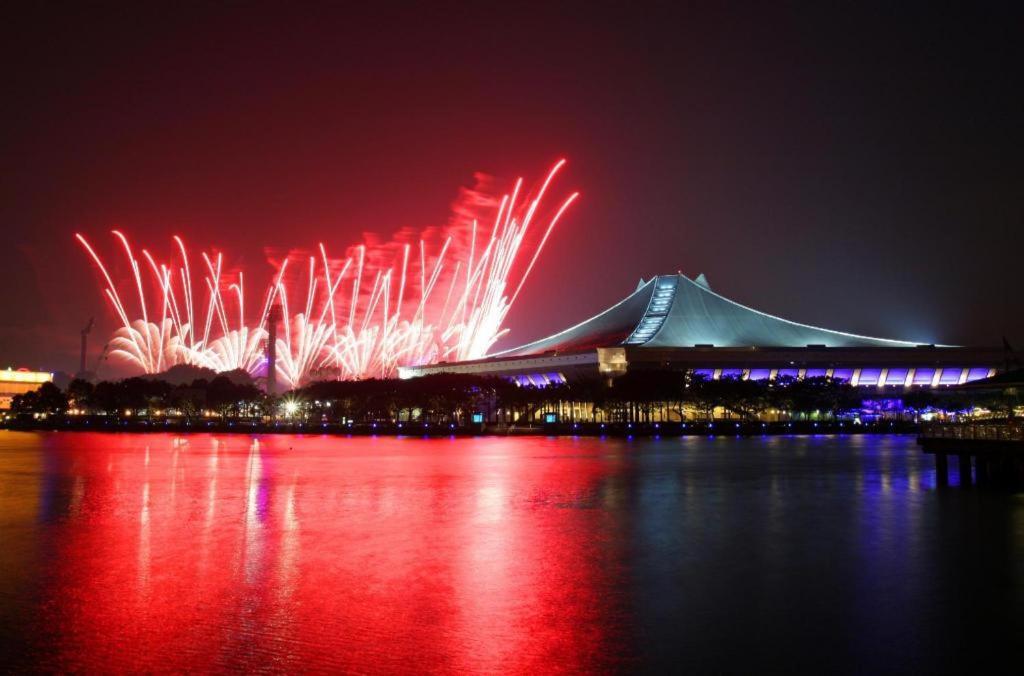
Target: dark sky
(851, 167)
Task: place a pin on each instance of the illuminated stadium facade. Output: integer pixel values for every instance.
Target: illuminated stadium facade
(677, 323)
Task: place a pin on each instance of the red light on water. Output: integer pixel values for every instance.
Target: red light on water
(229, 553)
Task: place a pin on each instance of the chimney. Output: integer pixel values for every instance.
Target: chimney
(273, 319)
(84, 347)
(81, 357)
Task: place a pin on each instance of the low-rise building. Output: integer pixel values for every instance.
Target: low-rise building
(19, 381)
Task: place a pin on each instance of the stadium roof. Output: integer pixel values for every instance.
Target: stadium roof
(676, 311)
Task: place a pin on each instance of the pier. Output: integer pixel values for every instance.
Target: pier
(994, 449)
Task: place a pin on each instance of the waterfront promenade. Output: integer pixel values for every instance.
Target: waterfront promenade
(419, 429)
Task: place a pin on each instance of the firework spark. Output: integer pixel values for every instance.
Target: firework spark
(443, 295)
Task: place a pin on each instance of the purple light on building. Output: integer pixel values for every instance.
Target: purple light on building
(896, 376)
(977, 374)
(869, 376)
(950, 376)
(923, 376)
(842, 374)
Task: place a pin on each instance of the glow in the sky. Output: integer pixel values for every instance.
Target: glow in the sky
(441, 295)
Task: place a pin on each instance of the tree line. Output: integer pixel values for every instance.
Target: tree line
(637, 396)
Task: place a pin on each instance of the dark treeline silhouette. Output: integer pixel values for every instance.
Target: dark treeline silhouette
(446, 397)
(458, 399)
(147, 397)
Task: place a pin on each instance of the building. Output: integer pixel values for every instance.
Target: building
(674, 322)
(20, 381)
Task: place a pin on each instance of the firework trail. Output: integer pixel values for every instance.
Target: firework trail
(440, 294)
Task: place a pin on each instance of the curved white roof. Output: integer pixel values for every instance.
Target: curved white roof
(675, 311)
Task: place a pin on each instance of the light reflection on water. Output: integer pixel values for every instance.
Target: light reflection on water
(159, 552)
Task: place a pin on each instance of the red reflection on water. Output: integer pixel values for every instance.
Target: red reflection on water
(185, 553)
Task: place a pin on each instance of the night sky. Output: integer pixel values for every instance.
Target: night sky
(854, 168)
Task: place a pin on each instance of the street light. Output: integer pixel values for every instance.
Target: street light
(291, 407)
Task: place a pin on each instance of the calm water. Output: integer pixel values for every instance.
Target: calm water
(163, 553)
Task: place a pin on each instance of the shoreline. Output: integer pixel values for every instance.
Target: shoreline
(417, 429)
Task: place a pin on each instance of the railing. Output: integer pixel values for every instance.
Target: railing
(980, 431)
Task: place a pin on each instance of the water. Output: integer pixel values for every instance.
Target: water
(124, 552)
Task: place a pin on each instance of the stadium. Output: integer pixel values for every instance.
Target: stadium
(673, 322)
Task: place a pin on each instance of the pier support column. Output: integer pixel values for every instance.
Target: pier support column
(965, 470)
(981, 469)
(941, 469)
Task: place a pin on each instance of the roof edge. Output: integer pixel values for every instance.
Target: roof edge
(507, 352)
(892, 341)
